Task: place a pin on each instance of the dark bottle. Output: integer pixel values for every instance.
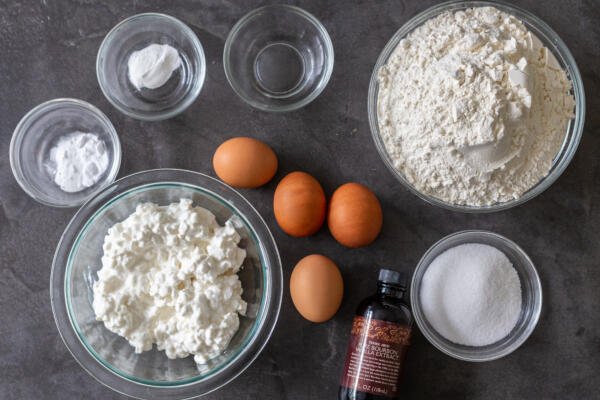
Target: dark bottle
(379, 338)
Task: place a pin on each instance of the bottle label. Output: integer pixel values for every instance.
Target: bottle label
(375, 354)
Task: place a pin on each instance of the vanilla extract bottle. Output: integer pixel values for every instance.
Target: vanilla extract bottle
(379, 338)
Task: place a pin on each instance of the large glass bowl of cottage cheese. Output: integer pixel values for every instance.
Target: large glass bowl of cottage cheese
(75, 292)
(460, 146)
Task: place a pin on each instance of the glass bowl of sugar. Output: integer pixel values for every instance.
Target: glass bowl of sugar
(476, 296)
(64, 151)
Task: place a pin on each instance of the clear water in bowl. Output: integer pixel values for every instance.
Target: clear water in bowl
(278, 58)
(279, 69)
(153, 367)
(282, 67)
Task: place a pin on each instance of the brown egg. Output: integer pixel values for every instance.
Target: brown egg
(244, 162)
(299, 204)
(355, 215)
(317, 288)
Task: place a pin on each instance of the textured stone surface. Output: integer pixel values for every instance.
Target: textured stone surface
(48, 50)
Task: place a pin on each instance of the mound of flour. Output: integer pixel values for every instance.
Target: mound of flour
(472, 107)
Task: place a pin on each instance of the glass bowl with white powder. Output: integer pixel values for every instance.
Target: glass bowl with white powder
(439, 124)
(476, 295)
(64, 151)
(151, 66)
(81, 255)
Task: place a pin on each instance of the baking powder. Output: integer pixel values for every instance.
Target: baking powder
(152, 66)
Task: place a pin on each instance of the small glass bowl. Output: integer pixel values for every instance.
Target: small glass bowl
(108, 357)
(531, 290)
(133, 34)
(278, 58)
(550, 39)
(36, 134)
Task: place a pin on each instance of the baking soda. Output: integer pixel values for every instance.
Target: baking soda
(77, 161)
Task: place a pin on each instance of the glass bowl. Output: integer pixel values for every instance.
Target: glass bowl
(133, 34)
(550, 40)
(278, 58)
(530, 287)
(108, 357)
(37, 133)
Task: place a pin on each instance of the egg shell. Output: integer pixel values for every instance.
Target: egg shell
(317, 288)
(355, 216)
(299, 204)
(244, 162)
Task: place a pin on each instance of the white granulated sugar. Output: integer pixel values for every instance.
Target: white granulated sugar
(152, 66)
(472, 107)
(471, 295)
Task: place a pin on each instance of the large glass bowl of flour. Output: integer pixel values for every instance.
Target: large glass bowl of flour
(549, 39)
(107, 356)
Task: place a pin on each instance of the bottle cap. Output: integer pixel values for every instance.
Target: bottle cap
(391, 277)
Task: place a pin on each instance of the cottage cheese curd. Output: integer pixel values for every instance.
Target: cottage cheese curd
(169, 277)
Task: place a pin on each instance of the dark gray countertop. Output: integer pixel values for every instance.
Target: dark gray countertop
(48, 50)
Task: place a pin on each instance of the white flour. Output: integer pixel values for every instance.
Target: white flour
(472, 108)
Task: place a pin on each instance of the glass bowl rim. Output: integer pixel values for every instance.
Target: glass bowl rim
(190, 97)
(305, 15)
(558, 48)
(20, 132)
(526, 263)
(262, 328)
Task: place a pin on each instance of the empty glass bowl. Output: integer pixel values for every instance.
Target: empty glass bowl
(278, 58)
(531, 290)
(108, 357)
(136, 33)
(549, 38)
(39, 131)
